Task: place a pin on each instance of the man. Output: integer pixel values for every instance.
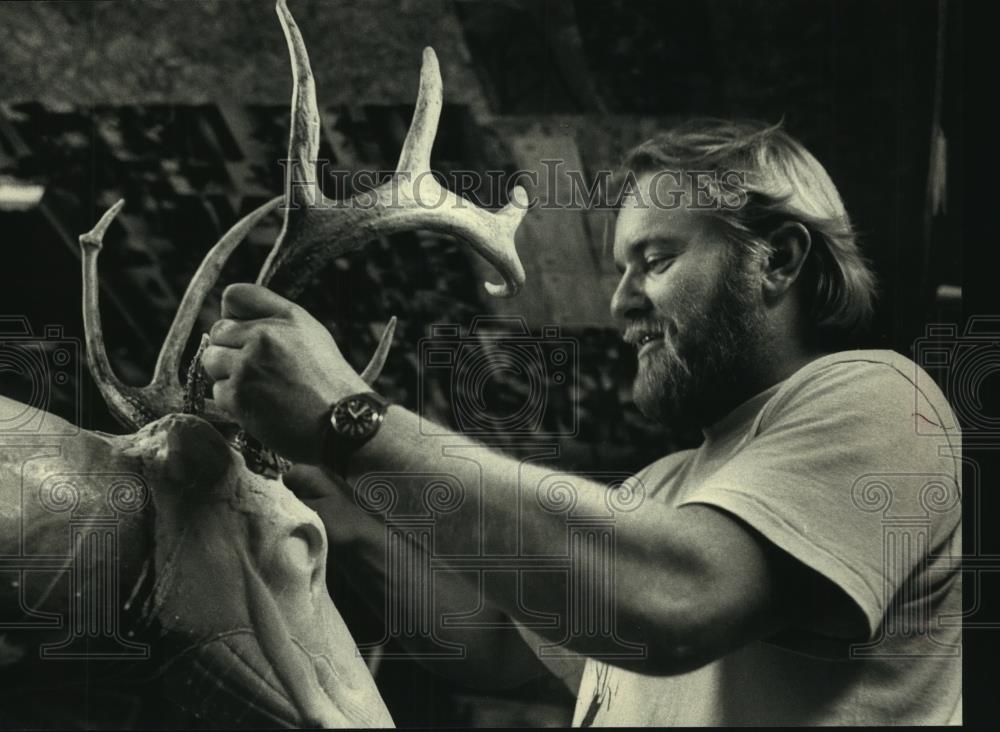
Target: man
(767, 574)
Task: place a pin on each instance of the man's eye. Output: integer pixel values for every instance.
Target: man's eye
(659, 264)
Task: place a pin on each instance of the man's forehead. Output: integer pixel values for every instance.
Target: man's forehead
(643, 218)
(665, 189)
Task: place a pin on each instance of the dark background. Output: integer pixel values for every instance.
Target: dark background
(182, 110)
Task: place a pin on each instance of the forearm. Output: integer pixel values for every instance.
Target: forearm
(520, 500)
(689, 583)
(495, 656)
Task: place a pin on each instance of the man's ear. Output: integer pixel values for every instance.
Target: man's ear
(790, 245)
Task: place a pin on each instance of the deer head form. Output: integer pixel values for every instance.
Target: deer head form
(225, 569)
(238, 562)
(240, 567)
(314, 231)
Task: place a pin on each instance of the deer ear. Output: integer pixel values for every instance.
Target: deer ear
(195, 455)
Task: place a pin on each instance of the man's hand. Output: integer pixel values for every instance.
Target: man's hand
(277, 370)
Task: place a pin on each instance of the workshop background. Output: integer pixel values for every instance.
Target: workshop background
(182, 109)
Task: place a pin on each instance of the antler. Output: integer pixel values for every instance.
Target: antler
(315, 230)
(137, 406)
(412, 199)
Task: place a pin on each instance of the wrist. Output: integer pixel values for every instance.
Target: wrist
(352, 422)
(321, 401)
(334, 391)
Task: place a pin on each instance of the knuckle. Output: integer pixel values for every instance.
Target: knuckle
(221, 395)
(238, 374)
(218, 328)
(254, 339)
(230, 295)
(210, 361)
(267, 340)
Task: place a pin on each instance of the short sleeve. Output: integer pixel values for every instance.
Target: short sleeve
(837, 475)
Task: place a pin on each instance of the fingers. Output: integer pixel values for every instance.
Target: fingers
(226, 332)
(224, 396)
(219, 362)
(244, 301)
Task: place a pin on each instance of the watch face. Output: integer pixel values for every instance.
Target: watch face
(355, 418)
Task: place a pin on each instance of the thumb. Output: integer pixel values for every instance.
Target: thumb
(244, 301)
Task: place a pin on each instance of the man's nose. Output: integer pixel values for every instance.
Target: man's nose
(629, 300)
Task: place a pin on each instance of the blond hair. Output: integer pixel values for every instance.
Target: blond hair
(780, 181)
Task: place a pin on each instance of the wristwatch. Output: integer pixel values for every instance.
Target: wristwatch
(354, 420)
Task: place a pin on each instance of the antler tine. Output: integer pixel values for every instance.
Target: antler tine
(137, 406)
(378, 359)
(414, 169)
(415, 156)
(166, 374)
(492, 237)
(303, 143)
(315, 234)
(314, 231)
(301, 187)
(121, 399)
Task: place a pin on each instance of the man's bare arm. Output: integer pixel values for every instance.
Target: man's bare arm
(497, 657)
(691, 584)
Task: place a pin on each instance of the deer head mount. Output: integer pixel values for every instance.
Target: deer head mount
(315, 230)
(225, 567)
(238, 562)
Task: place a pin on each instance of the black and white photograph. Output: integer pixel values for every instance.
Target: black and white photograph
(496, 363)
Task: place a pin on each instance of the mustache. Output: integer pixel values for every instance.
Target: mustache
(635, 330)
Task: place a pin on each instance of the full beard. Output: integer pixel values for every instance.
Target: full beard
(705, 361)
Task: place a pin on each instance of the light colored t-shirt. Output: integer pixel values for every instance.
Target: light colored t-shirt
(853, 466)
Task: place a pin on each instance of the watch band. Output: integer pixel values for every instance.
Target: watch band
(353, 421)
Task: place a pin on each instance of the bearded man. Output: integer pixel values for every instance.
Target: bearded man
(770, 575)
